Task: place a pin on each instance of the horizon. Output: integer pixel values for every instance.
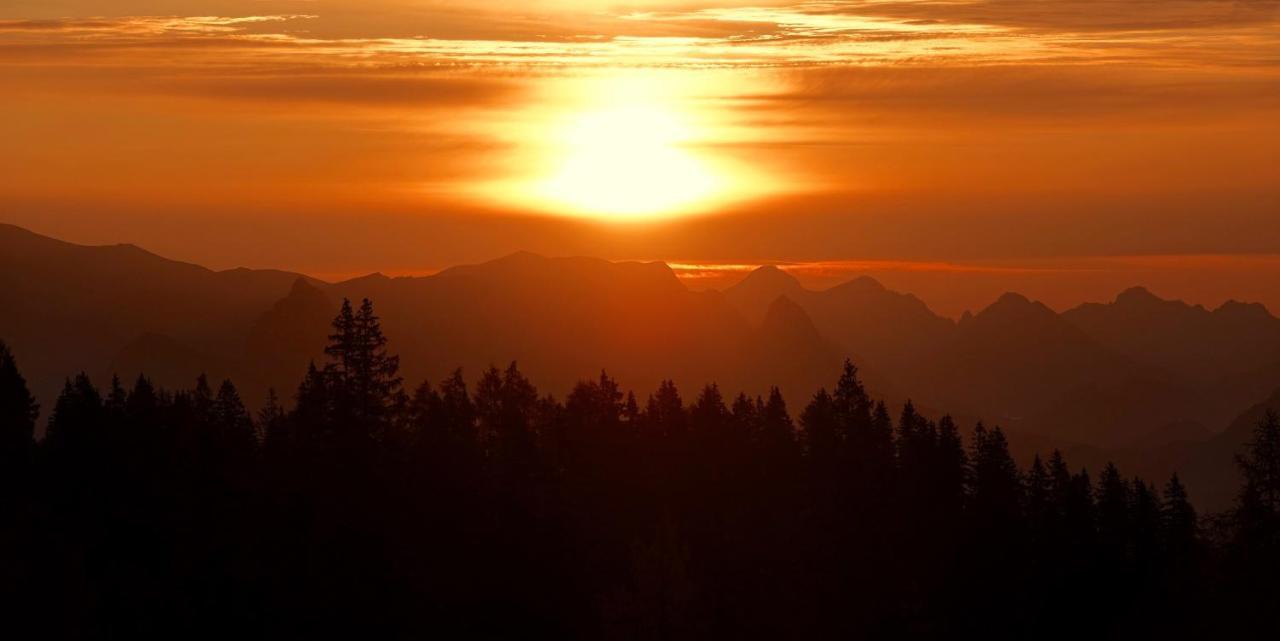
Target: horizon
(933, 282)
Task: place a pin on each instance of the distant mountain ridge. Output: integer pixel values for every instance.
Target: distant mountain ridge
(1102, 374)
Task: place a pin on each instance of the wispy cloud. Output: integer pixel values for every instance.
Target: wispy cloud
(864, 32)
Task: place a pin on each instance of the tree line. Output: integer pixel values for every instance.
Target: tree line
(368, 508)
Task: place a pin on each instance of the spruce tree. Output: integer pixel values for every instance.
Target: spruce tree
(1179, 522)
(1113, 504)
(231, 420)
(777, 431)
(76, 418)
(18, 410)
(365, 376)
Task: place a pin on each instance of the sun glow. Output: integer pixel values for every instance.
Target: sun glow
(640, 146)
(629, 162)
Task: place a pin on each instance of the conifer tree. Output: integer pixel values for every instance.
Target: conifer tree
(777, 431)
(1179, 523)
(364, 374)
(1145, 509)
(456, 413)
(143, 404)
(18, 410)
(231, 419)
(852, 409)
(116, 400)
(1040, 502)
(996, 483)
(312, 416)
(1260, 465)
(664, 412)
(1256, 514)
(951, 463)
(76, 416)
(818, 424)
(271, 418)
(1113, 501)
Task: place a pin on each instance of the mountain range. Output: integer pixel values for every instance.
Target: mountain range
(1130, 377)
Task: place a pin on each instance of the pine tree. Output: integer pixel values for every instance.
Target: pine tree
(950, 467)
(364, 374)
(664, 413)
(231, 420)
(505, 403)
(1040, 513)
(1260, 465)
(116, 400)
(776, 430)
(1256, 514)
(202, 398)
(143, 404)
(708, 411)
(818, 424)
(18, 410)
(746, 416)
(313, 406)
(1113, 501)
(997, 486)
(1179, 523)
(271, 418)
(75, 421)
(852, 409)
(1145, 509)
(456, 414)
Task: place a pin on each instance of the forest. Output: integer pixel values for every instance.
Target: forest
(357, 505)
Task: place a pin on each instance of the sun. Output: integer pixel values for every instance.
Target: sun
(627, 163)
(623, 148)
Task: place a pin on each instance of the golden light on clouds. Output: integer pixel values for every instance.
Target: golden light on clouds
(805, 130)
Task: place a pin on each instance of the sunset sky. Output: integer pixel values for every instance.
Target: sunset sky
(953, 148)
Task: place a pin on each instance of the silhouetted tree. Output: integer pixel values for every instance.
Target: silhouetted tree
(76, 418)
(363, 511)
(18, 411)
(364, 375)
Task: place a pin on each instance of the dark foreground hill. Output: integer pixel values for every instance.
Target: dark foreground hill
(490, 510)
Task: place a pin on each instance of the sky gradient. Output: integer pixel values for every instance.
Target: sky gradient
(955, 148)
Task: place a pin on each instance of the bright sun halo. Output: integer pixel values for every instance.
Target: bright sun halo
(628, 162)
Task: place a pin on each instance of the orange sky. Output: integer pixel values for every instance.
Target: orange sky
(342, 136)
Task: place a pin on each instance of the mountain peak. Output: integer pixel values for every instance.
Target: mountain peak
(867, 282)
(758, 292)
(1011, 299)
(1240, 310)
(1014, 307)
(1137, 295)
(302, 287)
(770, 275)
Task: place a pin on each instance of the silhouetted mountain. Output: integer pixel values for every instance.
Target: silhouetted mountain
(73, 307)
(755, 294)
(1196, 344)
(888, 329)
(564, 319)
(1101, 375)
(291, 334)
(1019, 363)
(788, 344)
(1016, 356)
